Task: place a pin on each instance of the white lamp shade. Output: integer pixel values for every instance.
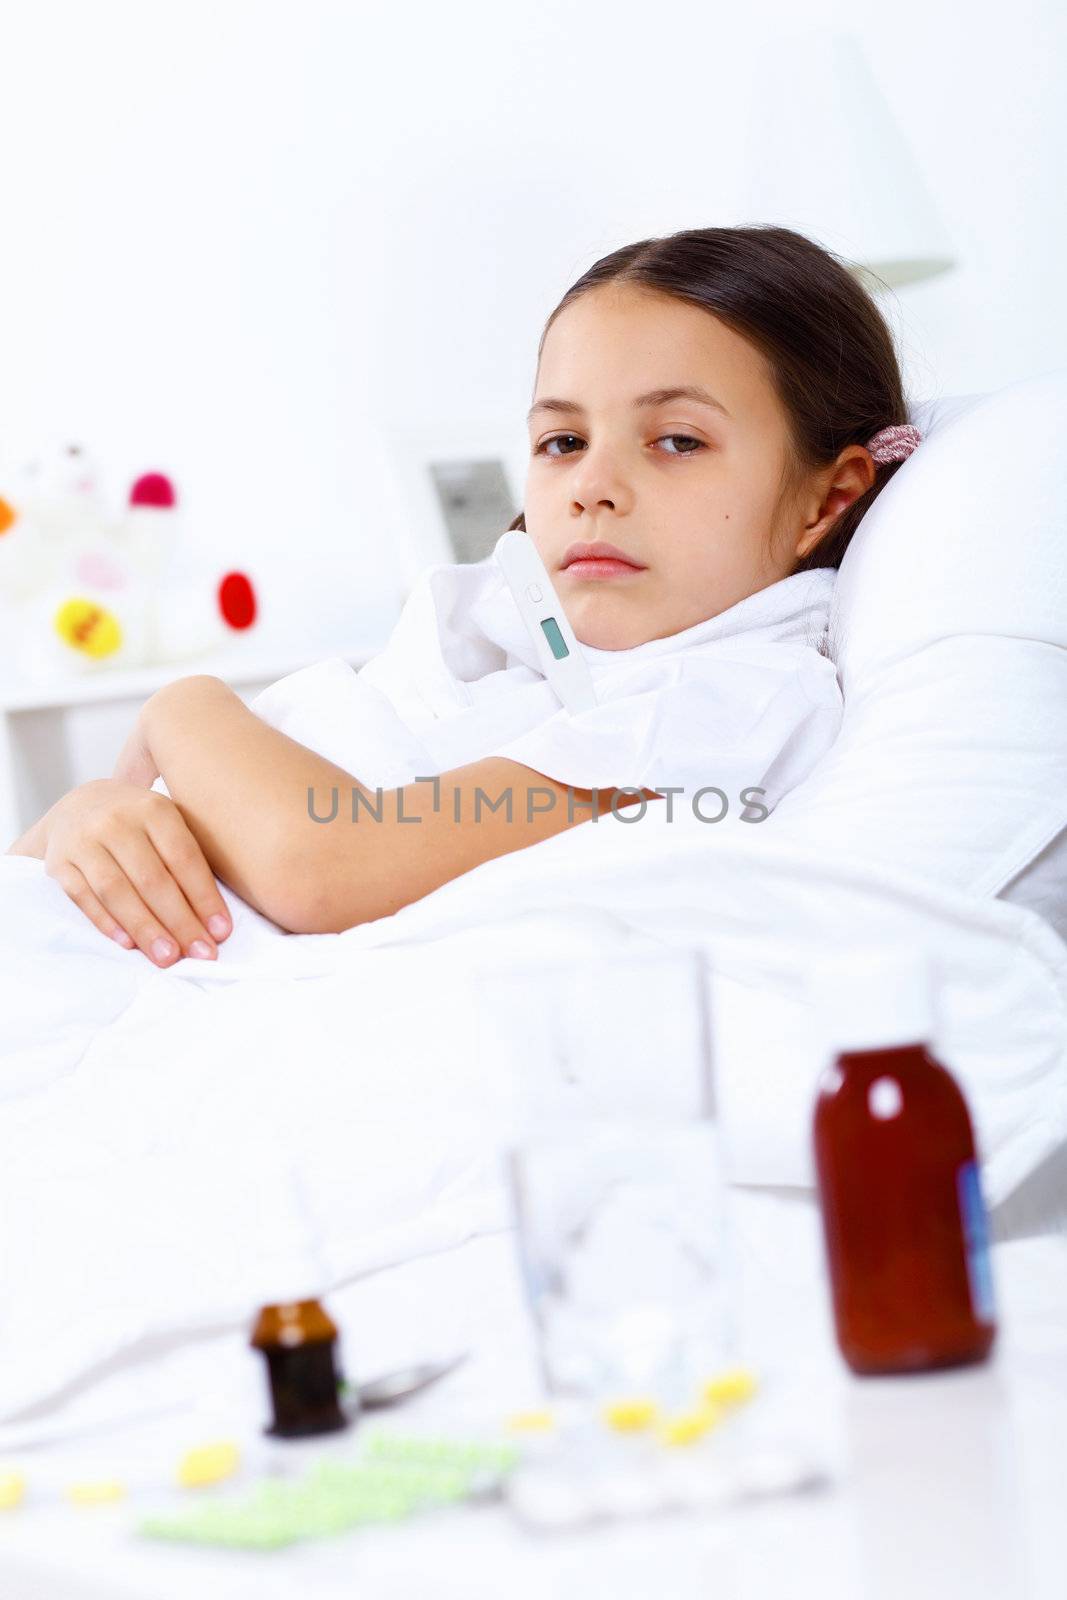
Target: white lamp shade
(826, 157)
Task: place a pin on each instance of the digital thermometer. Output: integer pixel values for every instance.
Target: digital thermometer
(558, 651)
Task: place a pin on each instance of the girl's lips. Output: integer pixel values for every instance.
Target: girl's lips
(602, 567)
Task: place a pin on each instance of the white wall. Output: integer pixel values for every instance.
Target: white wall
(244, 240)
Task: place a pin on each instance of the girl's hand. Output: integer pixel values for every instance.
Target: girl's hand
(127, 858)
(30, 843)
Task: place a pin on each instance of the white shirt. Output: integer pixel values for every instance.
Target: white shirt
(743, 699)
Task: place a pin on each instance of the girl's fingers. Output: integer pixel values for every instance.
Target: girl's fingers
(73, 883)
(109, 881)
(167, 918)
(180, 852)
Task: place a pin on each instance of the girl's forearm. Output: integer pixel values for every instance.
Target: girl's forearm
(241, 787)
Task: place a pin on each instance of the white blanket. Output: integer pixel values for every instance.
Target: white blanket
(178, 1146)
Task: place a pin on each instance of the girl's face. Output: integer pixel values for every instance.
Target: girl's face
(688, 490)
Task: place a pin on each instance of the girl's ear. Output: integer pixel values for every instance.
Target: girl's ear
(813, 537)
(851, 475)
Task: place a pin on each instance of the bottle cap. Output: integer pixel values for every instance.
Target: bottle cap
(287, 1325)
(872, 998)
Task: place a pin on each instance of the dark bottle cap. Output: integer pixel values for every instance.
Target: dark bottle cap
(295, 1323)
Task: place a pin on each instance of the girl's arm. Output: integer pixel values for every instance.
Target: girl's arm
(380, 852)
(258, 802)
(238, 782)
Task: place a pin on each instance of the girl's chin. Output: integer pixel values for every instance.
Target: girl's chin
(598, 623)
(597, 639)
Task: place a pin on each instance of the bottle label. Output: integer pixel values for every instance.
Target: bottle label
(976, 1241)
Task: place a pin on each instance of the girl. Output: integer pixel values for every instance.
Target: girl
(702, 414)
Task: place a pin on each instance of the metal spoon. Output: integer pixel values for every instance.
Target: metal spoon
(392, 1387)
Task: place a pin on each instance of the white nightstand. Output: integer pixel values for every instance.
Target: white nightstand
(35, 768)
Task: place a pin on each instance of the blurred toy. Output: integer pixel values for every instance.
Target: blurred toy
(84, 589)
(50, 508)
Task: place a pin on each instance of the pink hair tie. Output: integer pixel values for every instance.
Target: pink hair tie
(895, 443)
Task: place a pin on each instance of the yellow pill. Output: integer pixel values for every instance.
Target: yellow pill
(98, 1493)
(687, 1426)
(208, 1463)
(88, 628)
(531, 1422)
(731, 1387)
(629, 1415)
(12, 1489)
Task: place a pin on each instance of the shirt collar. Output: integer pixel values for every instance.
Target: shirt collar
(784, 610)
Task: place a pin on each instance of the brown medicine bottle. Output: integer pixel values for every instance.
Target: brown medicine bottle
(904, 1221)
(298, 1339)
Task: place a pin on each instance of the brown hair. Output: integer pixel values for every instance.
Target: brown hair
(829, 349)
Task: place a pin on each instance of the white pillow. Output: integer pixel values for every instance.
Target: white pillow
(949, 630)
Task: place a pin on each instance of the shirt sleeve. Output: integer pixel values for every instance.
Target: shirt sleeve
(332, 710)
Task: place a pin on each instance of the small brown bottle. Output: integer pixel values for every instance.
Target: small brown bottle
(904, 1221)
(298, 1339)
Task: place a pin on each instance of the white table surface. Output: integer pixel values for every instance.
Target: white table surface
(245, 664)
(946, 1485)
(242, 662)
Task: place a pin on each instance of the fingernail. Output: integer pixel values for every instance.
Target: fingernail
(200, 950)
(162, 949)
(121, 937)
(218, 925)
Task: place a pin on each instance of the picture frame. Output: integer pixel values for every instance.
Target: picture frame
(452, 484)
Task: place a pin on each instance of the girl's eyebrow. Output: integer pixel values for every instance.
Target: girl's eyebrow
(654, 397)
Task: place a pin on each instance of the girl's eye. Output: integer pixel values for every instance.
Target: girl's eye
(542, 448)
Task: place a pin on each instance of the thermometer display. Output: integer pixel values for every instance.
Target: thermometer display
(556, 642)
(559, 654)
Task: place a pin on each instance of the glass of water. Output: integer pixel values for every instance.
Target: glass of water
(616, 1171)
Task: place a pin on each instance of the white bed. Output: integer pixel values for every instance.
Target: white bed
(148, 1121)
